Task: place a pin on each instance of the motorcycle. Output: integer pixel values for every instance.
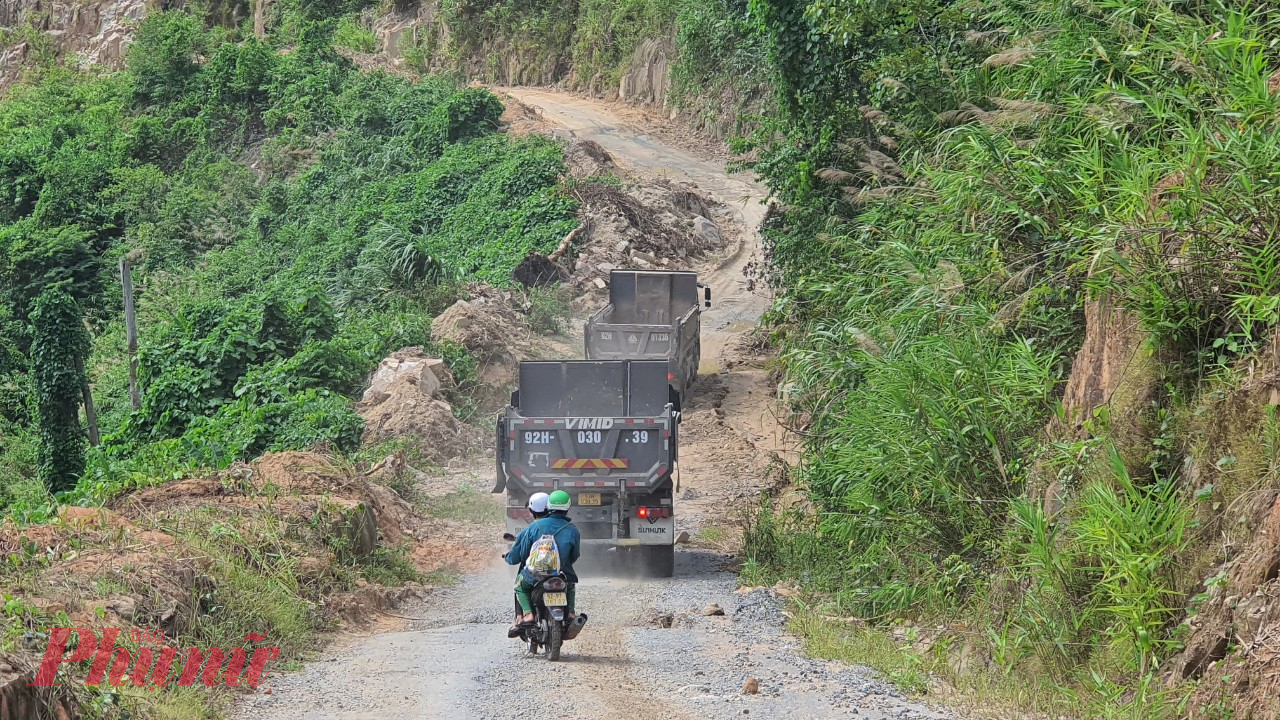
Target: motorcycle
(551, 626)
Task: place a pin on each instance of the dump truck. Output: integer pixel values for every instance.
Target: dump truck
(651, 315)
(607, 433)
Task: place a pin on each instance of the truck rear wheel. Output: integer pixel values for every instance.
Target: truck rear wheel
(660, 560)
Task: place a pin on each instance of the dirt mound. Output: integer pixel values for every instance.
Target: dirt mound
(586, 159)
(360, 607)
(318, 502)
(645, 226)
(489, 326)
(486, 324)
(405, 400)
(302, 473)
(520, 119)
(431, 423)
(410, 367)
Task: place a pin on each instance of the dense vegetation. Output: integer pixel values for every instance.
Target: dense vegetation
(718, 72)
(289, 218)
(974, 175)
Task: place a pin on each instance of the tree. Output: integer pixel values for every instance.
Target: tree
(59, 346)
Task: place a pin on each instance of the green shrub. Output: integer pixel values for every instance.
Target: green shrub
(353, 35)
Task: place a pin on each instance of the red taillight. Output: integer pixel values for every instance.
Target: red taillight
(653, 512)
(516, 513)
(671, 376)
(643, 512)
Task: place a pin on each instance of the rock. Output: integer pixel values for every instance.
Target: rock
(640, 256)
(786, 591)
(312, 568)
(600, 283)
(682, 538)
(606, 267)
(409, 366)
(641, 263)
(122, 605)
(751, 687)
(622, 246)
(706, 230)
(712, 610)
(647, 76)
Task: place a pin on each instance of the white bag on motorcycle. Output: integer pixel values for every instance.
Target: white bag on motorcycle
(544, 558)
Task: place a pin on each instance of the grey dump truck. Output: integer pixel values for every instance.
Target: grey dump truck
(651, 315)
(606, 432)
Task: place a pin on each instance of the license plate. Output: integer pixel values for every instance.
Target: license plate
(555, 599)
(589, 499)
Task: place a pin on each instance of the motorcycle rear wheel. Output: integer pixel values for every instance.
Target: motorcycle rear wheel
(557, 637)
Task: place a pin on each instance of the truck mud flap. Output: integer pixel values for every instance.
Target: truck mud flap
(500, 475)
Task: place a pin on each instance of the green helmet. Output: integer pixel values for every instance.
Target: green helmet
(559, 500)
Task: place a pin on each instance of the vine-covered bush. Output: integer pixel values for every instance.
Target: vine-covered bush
(59, 346)
(289, 218)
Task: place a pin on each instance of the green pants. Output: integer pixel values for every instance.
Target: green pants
(524, 588)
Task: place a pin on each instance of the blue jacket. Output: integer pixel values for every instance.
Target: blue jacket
(568, 541)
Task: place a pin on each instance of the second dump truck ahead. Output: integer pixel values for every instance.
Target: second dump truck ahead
(651, 315)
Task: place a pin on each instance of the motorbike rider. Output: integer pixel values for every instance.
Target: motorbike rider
(568, 541)
(538, 508)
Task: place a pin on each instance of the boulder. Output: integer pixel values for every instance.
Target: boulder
(706, 230)
(408, 370)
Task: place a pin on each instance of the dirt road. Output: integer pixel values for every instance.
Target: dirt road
(649, 649)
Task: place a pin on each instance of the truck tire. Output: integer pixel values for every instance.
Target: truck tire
(661, 560)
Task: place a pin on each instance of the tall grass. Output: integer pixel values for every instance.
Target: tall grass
(946, 225)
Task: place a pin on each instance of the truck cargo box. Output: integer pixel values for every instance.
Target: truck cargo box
(650, 315)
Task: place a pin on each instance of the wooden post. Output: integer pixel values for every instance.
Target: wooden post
(131, 331)
(90, 413)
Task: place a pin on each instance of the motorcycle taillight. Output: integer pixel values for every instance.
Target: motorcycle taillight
(554, 584)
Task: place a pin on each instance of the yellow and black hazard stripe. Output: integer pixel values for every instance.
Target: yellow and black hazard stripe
(591, 464)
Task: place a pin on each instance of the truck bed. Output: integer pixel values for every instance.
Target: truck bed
(651, 315)
(581, 423)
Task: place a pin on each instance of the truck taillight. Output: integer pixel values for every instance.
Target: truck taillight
(645, 513)
(671, 376)
(517, 513)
